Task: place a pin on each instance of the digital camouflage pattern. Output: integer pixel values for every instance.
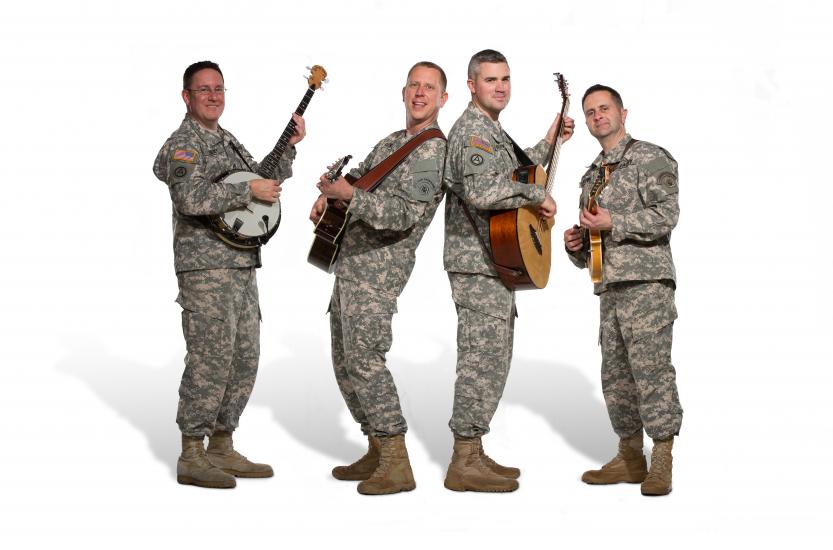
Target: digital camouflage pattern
(387, 225)
(190, 163)
(360, 329)
(217, 283)
(637, 308)
(642, 196)
(478, 170)
(221, 325)
(638, 379)
(376, 259)
(485, 332)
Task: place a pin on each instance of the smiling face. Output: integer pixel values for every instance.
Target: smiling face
(424, 96)
(205, 108)
(491, 88)
(604, 117)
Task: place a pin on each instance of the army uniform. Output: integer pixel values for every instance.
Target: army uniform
(217, 282)
(478, 171)
(374, 263)
(636, 293)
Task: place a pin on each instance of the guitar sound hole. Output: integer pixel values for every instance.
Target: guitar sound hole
(535, 240)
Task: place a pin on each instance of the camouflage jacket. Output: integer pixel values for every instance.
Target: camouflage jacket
(478, 170)
(190, 162)
(386, 225)
(642, 196)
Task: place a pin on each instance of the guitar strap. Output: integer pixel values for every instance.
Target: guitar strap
(523, 158)
(373, 178)
(606, 169)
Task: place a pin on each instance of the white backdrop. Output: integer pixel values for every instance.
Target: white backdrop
(91, 345)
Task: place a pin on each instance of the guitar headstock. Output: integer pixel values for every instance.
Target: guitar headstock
(562, 85)
(317, 76)
(336, 168)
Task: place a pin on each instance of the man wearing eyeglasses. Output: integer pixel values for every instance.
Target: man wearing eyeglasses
(217, 282)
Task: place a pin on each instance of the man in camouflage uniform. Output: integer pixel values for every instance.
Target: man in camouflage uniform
(478, 173)
(636, 212)
(376, 258)
(217, 283)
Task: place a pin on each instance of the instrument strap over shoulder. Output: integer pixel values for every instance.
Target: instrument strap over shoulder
(375, 175)
(523, 158)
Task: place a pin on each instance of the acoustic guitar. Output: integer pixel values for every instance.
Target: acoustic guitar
(329, 231)
(521, 238)
(256, 223)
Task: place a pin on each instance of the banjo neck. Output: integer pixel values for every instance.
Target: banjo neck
(267, 167)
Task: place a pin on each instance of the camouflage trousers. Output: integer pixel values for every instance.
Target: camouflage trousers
(485, 332)
(638, 379)
(221, 324)
(360, 329)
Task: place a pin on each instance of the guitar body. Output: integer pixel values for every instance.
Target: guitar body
(331, 227)
(521, 239)
(250, 226)
(329, 232)
(594, 263)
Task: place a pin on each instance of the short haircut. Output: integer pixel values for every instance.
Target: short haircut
(431, 65)
(602, 88)
(485, 56)
(194, 68)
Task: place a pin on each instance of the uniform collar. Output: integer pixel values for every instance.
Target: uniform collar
(614, 155)
(494, 125)
(208, 137)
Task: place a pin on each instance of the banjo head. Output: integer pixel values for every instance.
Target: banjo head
(251, 225)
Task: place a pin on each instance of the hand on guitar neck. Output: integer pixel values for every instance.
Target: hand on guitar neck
(566, 131)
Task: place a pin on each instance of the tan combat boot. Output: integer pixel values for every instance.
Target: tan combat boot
(467, 472)
(394, 471)
(658, 482)
(364, 467)
(193, 468)
(221, 453)
(505, 471)
(628, 466)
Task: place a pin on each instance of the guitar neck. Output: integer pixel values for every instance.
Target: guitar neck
(555, 148)
(267, 167)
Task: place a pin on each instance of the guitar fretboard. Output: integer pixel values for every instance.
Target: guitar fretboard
(267, 167)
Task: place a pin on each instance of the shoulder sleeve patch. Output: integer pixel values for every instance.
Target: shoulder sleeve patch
(480, 143)
(476, 160)
(667, 180)
(185, 155)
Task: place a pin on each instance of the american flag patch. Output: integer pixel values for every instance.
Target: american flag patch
(481, 143)
(185, 155)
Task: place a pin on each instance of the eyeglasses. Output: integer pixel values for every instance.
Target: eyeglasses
(205, 90)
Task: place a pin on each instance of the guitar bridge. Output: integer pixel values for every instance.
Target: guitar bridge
(533, 234)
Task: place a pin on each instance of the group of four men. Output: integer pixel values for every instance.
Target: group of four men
(218, 291)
